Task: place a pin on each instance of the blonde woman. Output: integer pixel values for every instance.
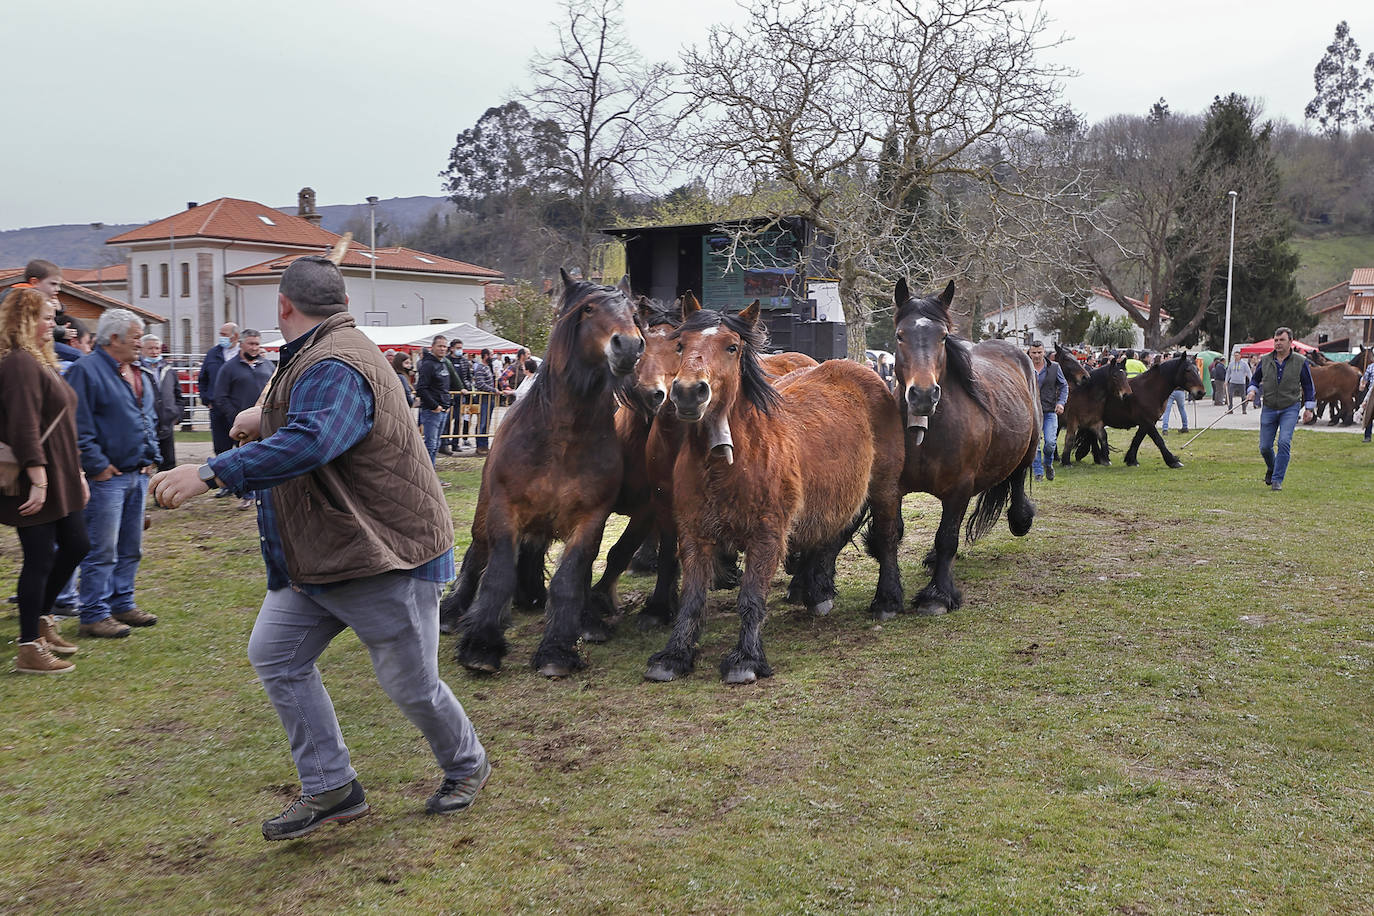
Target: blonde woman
(38, 422)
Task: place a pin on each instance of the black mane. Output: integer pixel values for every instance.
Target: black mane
(754, 384)
(561, 368)
(958, 350)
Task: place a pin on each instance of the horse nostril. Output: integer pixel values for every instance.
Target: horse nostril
(657, 398)
(703, 390)
(935, 393)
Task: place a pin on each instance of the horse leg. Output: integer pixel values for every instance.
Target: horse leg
(1070, 439)
(679, 656)
(942, 595)
(1169, 458)
(1021, 512)
(746, 662)
(727, 573)
(884, 537)
(530, 592)
(646, 557)
(483, 643)
(662, 607)
(1102, 453)
(793, 564)
(569, 596)
(459, 598)
(604, 600)
(1133, 453)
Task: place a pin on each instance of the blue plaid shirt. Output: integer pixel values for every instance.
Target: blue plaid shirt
(331, 410)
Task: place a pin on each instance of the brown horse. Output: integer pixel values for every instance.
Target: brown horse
(1336, 384)
(972, 416)
(1142, 410)
(759, 471)
(1083, 411)
(554, 473)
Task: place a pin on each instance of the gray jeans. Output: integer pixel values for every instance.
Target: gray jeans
(396, 617)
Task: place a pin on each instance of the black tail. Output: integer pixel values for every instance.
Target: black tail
(989, 508)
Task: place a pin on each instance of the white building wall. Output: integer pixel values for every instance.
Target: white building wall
(446, 299)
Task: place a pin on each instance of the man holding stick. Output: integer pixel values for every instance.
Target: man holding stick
(337, 557)
(1282, 381)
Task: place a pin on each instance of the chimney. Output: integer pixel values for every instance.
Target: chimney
(305, 206)
(1147, 297)
(191, 205)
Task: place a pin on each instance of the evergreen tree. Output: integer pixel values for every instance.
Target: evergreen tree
(1264, 290)
(1342, 84)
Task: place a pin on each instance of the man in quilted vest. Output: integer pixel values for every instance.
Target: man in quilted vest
(355, 534)
(1282, 383)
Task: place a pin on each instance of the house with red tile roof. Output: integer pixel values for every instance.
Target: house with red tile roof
(1020, 318)
(221, 261)
(86, 302)
(1359, 304)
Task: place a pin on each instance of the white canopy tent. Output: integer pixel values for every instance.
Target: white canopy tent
(420, 335)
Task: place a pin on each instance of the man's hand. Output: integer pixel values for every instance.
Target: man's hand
(1058, 409)
(1307, 415)
(85, 491)
(247, 425)
(110, 471)
(172, 488)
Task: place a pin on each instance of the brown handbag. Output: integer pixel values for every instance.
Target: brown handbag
(9, 464)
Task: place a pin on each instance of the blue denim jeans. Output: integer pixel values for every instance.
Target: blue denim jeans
(114, 521)
(1282, 422)
(1177, 398)
(432, 424)
(1049, 434)
(396, 617)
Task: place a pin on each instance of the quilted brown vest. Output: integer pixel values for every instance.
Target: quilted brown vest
(376, 508)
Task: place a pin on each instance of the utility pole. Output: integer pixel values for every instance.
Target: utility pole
(372, 211)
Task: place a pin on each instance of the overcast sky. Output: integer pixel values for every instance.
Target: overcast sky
(123, 112)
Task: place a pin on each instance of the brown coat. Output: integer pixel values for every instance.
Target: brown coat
(376, 508)
(31, 397)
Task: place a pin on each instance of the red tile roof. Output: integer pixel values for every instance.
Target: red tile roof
(233, 219)
(1359, 306)
(112, 273)
(406, 259)
(1362, 276)
(1136, 304)
(11, 276)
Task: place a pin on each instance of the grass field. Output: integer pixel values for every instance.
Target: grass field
(1328, 260)
(1157, 702)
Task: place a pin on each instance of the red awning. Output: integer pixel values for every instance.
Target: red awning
(1260, 347)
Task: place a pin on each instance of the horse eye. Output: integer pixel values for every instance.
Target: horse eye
(679, 348)
(733, 348)
(588, 310)
(899, 335)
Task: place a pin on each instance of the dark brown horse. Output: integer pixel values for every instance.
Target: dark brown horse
(1142, 410)
(1083, 412)
(1336, 384)
(972, 416)
(554, 473)
(759, 471)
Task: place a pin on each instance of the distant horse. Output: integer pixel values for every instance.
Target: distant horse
(1074, 371)
(972, 417)
(761, 470)
(1083, 412)
(1336, 384)
(554, 472)
(1142, 410)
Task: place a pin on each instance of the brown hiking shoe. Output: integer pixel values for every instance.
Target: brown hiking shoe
(34, 658)
(48, 634)
(108, 628)
(136, 617)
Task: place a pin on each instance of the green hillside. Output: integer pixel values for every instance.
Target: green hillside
(1328, 260)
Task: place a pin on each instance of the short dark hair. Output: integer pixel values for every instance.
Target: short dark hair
(437, 338)
(1037, 343)
(1288, 331)
(249, 332)
(314, 286)
(39, 269)
(531, 366)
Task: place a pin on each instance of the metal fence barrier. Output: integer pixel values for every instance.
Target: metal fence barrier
(474, 418)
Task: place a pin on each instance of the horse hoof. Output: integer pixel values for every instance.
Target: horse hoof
(596, 632)
(880, 616)
(823, 609)
(480, 666)
(660, 673)
(554, 670)
(1176, 464)
(930, 608)
(740, 676)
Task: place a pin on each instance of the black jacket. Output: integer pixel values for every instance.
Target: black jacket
(238, 384)
(171, 403)
(433, 382)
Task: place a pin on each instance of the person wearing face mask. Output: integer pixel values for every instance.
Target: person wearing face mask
(224, 350)
(170, 403)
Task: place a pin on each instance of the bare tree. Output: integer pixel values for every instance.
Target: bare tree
(611, 106)
(913, 134)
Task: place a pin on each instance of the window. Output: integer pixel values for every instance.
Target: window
(163, 273)
(186, 335)
(143, 281)
(185, 279)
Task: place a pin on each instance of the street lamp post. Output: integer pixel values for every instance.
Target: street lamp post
(372, 213)
(1230, 262)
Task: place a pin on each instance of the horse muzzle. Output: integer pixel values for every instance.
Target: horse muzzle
(690, 399)
(921, 402)
(623, 352)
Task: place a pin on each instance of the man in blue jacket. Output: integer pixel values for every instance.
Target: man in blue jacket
(116, 429)
(432, 386)
(225, 350)
(240, 381)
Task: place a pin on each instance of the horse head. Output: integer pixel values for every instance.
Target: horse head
(658, 366)
(1117, 381)
(719, 364)
(923, 348)
(1186, 376)
(1074, 371)
(596, 325)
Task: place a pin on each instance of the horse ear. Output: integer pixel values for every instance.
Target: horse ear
(645, 307)
(947, 297)
(624, 285)
(901, 294)
(690, 304)
(751, 314)
(567, 280)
